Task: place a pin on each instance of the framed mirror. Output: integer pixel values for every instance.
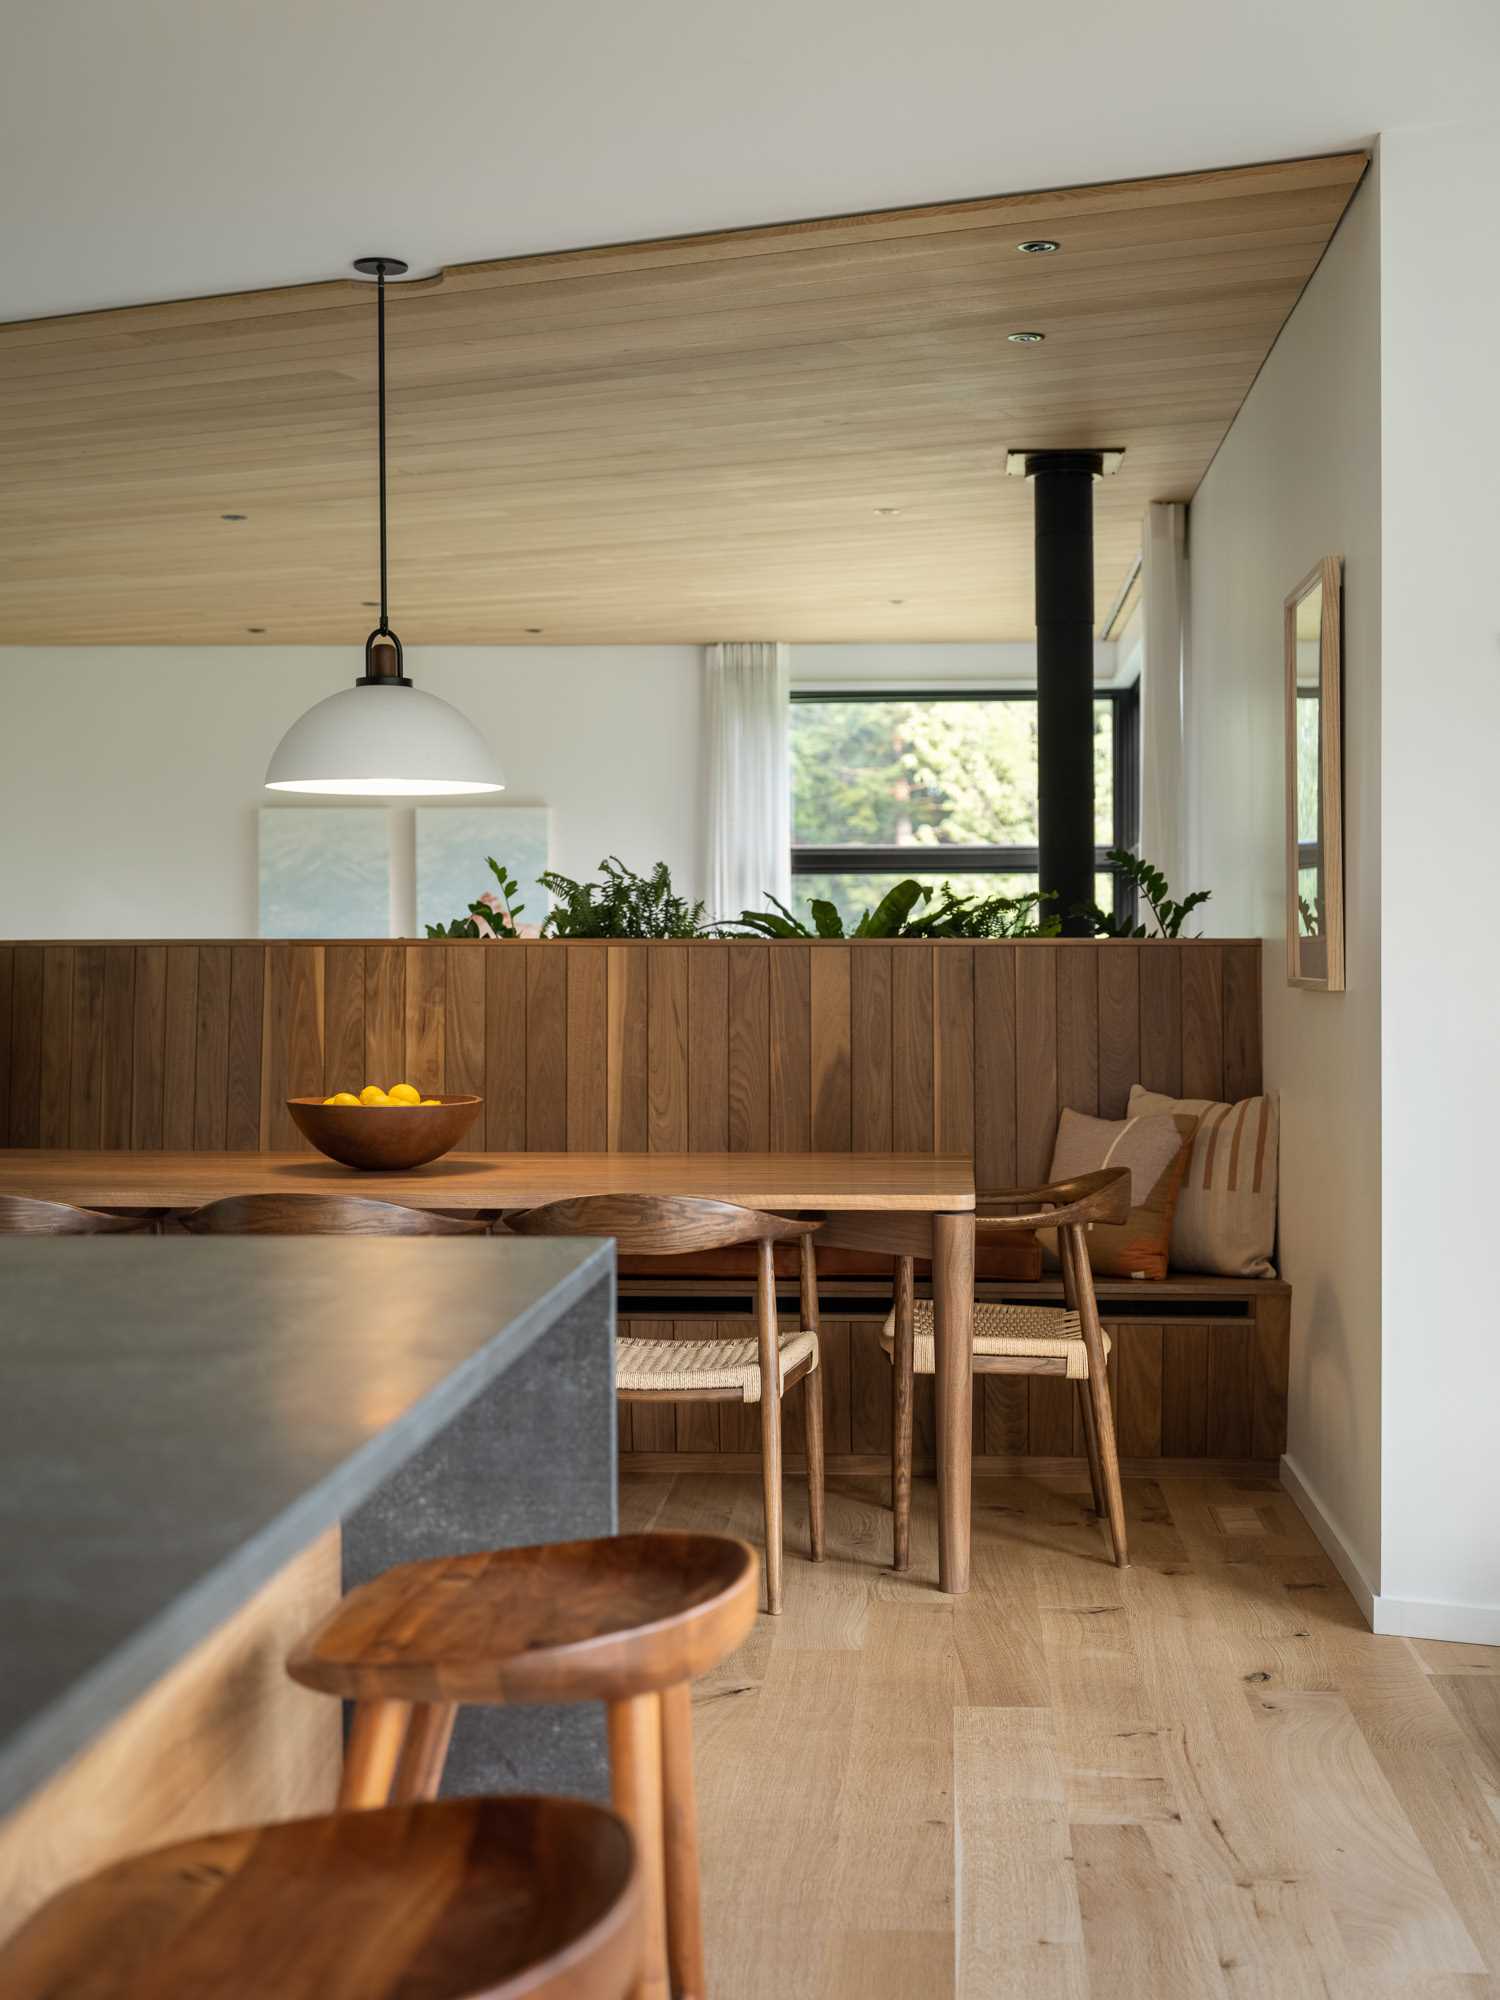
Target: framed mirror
(1314, 781)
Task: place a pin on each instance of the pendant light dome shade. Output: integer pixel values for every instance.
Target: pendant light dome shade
(381, 738)
(383, 742)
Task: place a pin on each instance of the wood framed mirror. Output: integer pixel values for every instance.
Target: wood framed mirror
(1314, 780)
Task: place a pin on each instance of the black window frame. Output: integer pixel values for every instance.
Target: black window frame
(901, 861)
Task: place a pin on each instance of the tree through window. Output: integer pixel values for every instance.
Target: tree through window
(942, 788)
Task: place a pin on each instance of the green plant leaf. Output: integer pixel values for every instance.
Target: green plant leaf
(890, 914)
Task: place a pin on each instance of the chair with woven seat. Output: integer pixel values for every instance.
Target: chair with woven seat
(758, 1370)
(320, 1215)
(21, 1215)
(473, 1899)
(629, 1620)
(1064, 1340)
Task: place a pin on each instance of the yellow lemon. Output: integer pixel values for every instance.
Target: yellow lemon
(398, 1104)
(432, 1100)
(405, 1093)
(373, 1094)
(342, 1097)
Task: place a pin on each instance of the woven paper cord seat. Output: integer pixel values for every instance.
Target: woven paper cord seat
(1009, 1332)
(704, 1364)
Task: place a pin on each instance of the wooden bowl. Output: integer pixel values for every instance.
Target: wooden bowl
(380, 1140)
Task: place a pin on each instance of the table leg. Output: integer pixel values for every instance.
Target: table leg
(953, 1330)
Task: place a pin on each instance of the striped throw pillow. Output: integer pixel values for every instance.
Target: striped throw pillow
(1226, 1213)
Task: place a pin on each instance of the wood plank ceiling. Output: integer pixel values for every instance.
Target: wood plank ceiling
(796, 432)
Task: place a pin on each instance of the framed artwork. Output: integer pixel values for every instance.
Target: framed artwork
(325, 871)
(453, 846)
(1312, 624)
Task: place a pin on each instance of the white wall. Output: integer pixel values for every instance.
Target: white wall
(130, 778)
(1297, 478)
(1440, 966)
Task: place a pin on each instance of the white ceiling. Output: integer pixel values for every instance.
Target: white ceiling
(166, 148)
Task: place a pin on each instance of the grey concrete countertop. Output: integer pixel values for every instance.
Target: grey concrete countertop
(180, 1417)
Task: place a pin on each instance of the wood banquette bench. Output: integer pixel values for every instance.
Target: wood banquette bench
(1198, 1374)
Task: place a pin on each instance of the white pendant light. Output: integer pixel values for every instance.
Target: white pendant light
(381, 738)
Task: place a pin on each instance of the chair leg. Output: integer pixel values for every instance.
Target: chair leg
(373, 1752)
(770, 1474)
(1109, 1463)
(768, 1348)
(419, 1775)
(635, 1764)
(812, 1406)
(1091, 1445)
(680, 1825)
(903, 1390)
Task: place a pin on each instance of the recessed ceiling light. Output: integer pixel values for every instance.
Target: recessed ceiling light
(234, 517)
(1026, 339)
(887, 512)
(1039, 246)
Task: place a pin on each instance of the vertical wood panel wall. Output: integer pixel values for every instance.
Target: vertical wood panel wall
(710, 1046)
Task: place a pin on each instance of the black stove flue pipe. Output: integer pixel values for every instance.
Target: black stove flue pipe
(1063, 483)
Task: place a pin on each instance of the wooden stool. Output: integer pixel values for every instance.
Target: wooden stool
(716, 1371)
(1023, 1339)
(320, 1215)
(473, 1899)
(631, 1621)
(21, 1216)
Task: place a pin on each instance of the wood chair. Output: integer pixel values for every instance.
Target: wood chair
(630, 1620)
(20, 1215)
(320, 1215)
(716, 1371)
(1023, 1340)
(473, 1899)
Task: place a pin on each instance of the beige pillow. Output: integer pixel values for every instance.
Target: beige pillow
(1226, 1213)
(1156, 1151)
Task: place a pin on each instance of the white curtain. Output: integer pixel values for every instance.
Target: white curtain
(1164, 585)
(745, 742)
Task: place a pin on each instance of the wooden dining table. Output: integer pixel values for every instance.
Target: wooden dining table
(920, 1204)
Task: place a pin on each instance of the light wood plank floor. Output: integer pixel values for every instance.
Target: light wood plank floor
(1198, 1779)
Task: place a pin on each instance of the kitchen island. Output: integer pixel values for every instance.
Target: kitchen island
(201, 1441)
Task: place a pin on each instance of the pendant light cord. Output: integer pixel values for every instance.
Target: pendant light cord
(380, 378)
(383, 659)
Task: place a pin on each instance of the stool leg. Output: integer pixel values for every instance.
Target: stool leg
(372, 1753)
(903, 1390)
(635, 1759)
(812, 1403)
(680, 1819)
(419, 1775)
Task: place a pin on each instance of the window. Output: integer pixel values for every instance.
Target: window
(943, 788)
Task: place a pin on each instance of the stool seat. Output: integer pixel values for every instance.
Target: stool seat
(470, 1899)
(606, 1619)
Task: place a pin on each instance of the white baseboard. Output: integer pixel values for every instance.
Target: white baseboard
(1334, 1543)
(1399, 1617)
(1428, 1618)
